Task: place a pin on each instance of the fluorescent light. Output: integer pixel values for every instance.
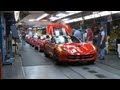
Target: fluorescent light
(66, 19)
(95, 15)
(42, 16)
(70, 11)
(89, 17)
(60, 15)
(73, 11)
(114, 12)
(74, 20)
(79, 19)
(53, 18)
(32, 20)
(105, 13)
(16, 14)
(65, 15)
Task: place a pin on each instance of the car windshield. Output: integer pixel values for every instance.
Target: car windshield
(59, 31)
(66, 39)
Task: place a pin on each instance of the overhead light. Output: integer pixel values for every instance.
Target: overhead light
(70, 11)
(74, 20)
(65, 15)
(42, 16)
(53, 18)
(105, 13)
(114, 12)
(96, 12)
(32, 20)
(79, 19)
(94, 15)
(73, 11)
(16, 14)
(66, 19)
(89, 17)
(60, 15)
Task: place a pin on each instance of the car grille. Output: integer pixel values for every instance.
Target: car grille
(80, 56)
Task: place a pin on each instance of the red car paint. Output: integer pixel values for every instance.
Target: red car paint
(78, 51)
(50, 30)
(69, 52)
(39, 43)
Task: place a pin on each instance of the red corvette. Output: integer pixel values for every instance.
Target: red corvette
(32, 41)
(69, 49)
(66, 48)
(39, 43)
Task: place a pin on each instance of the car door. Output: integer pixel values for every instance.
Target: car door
(52, 46)
(47, 45)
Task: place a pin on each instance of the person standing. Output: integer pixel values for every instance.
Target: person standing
(101, 43)
(85, 36)
(118, 46)
(77, 34)
(89, 37)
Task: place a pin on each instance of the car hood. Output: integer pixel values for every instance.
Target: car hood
(78, 48)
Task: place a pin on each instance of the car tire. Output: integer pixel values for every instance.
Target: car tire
(46, 55)
(36, 48)
(55, 59)
(39, 49)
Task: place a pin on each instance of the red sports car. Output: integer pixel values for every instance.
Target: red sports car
(32, 41)
(39, 43)
(69, 49)
(64, 47)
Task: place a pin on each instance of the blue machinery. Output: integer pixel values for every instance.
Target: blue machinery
(5, 46)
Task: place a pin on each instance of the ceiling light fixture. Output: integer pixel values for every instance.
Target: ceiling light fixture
(61, 15)
(16, 14)
(32, 20)
(95, 15)
(42, 16)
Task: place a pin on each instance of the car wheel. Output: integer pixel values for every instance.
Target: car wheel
(55, 58)
(39, 49)
(36, 48)
(46, 55)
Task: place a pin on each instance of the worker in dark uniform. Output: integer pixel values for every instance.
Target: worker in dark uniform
(101, 43)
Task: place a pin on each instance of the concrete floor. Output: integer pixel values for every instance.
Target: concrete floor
(34, 65)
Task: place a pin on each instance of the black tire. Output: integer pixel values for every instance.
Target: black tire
(36, 48)
(55, 59)
(39, 49)
(46, 55)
